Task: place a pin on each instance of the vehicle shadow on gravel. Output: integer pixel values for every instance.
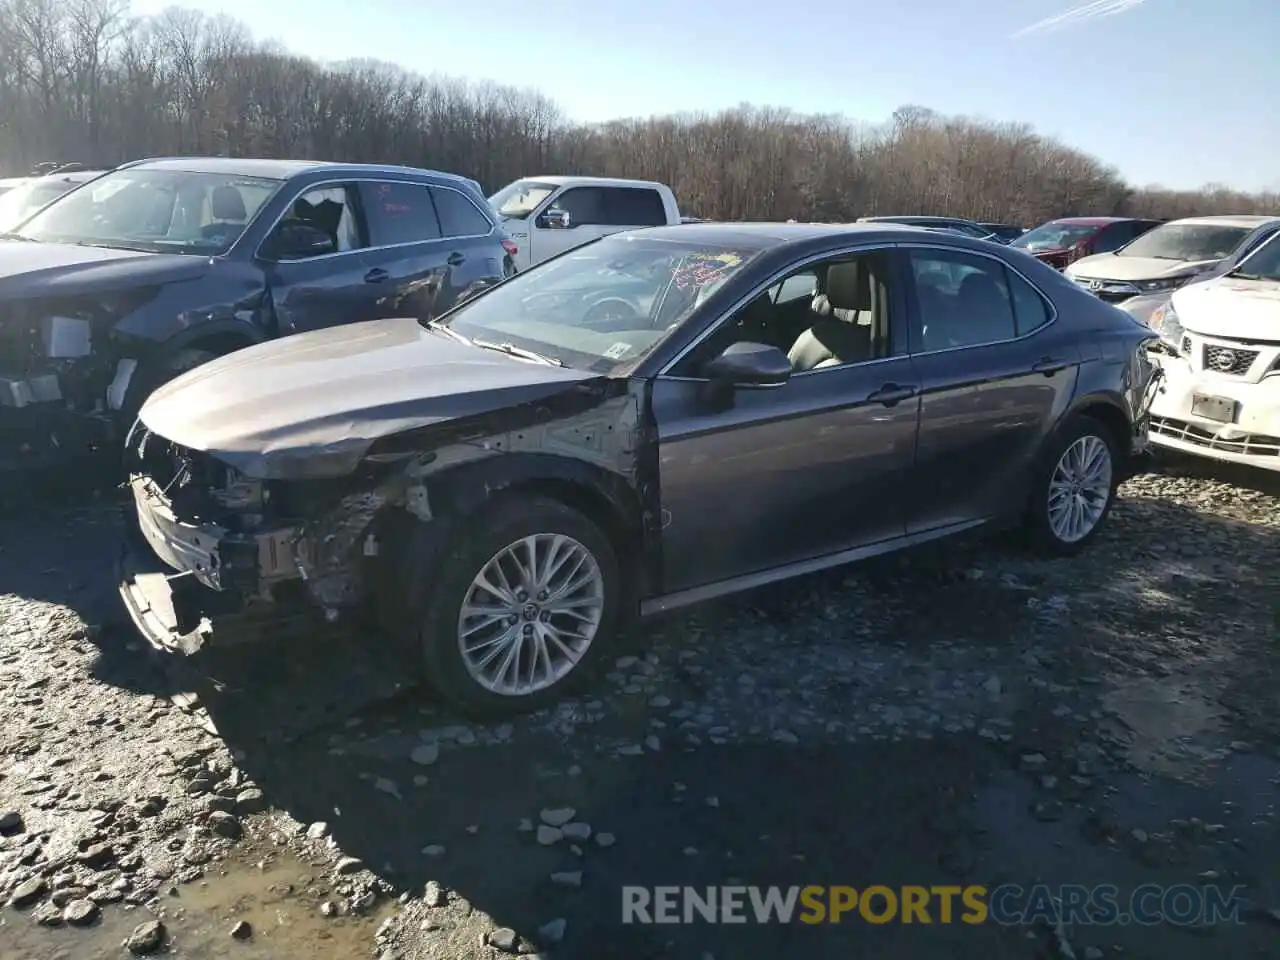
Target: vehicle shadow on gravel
(760, 815)
(1189, 600)
(856, 813)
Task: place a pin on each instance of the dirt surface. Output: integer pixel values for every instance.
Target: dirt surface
(961, 715)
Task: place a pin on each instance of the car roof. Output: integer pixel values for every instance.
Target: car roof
(911, 218)
(1091, 221)
(762, 236)
(560, 179)
(285, 169)
(1230, 221)
(72, 176)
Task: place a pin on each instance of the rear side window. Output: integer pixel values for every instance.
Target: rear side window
(1112, 237)
(459, 217)
(962, 299)
(634, 207)
(399, 213)
(1030, 311)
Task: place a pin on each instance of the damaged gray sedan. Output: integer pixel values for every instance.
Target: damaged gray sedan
(651, 420)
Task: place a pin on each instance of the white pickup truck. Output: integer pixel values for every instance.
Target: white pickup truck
(544, 216)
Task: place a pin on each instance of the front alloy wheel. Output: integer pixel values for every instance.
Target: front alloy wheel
(531, 614)
(523, 602)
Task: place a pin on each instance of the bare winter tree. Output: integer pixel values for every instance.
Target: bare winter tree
(83, 80)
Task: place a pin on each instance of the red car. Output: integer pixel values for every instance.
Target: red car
(1060, 242)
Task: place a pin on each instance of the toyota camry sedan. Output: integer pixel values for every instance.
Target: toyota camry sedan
(650, 420)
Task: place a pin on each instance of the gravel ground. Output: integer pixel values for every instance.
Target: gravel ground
(964, 714)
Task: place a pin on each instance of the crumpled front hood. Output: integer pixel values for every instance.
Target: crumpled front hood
(1231, 307)
(29, 269)
(312, 404)
(1107, 266)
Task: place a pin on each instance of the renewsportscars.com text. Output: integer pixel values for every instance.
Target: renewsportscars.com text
(1008, 904)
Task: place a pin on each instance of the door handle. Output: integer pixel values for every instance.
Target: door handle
(892, 394)
(456, 259)
(1050, 365)
(376, 275)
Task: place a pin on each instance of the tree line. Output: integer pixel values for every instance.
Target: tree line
(85, 81)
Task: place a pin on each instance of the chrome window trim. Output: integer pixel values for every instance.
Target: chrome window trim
(1053, 307)
(345, 181)
(907, 247)
(774, 280)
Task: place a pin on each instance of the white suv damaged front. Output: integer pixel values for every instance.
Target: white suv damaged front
(1219, 396)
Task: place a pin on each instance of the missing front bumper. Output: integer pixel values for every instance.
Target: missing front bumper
(177, 614)
(186, 586)
(168, 619)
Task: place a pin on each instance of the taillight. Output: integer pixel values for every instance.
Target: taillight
(510, 247)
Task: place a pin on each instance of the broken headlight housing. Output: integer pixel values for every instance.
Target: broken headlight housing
(1164, 321)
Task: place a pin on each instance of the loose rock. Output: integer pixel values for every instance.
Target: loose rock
(558, 817)
(547, 836)
(28, 892)
(147, 938)
(225, 825)
(10, 823)
(553, 932)
(425, 754)
(250, 801)
(504, 939)
(433, 895)
(80, 913)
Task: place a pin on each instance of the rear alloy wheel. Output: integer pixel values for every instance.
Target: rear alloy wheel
(526, 604)
(1076, 487)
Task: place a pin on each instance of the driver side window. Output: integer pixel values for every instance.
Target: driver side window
(334, 210)
(831, 314)
(585, 205)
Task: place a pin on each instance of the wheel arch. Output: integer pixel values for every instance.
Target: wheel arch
(604, 497)
(219, 337)
(455, 495)
(1111, 412)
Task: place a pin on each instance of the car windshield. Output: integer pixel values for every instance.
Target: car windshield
(521, 198)
(1263, 263)
(161, 211)
(21, 202)
(1186, 241)
(1054, 236)
(602, 306)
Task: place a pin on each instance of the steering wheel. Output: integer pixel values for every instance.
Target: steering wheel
(609, 310)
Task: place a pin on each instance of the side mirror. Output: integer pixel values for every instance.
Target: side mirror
(298, 240)
(554, 219)
(749, 365)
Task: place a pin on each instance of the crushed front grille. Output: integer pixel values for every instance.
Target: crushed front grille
(1251, 445)
(1229, 360)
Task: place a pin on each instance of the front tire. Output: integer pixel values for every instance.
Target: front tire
(526, 604)
(1074, 488)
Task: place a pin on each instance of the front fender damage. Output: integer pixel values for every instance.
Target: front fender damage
(452, 469)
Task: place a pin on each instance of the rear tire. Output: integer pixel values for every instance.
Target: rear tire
(540, 634)
(1074, 487)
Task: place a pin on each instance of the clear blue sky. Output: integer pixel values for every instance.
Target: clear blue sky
(1178, 92)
